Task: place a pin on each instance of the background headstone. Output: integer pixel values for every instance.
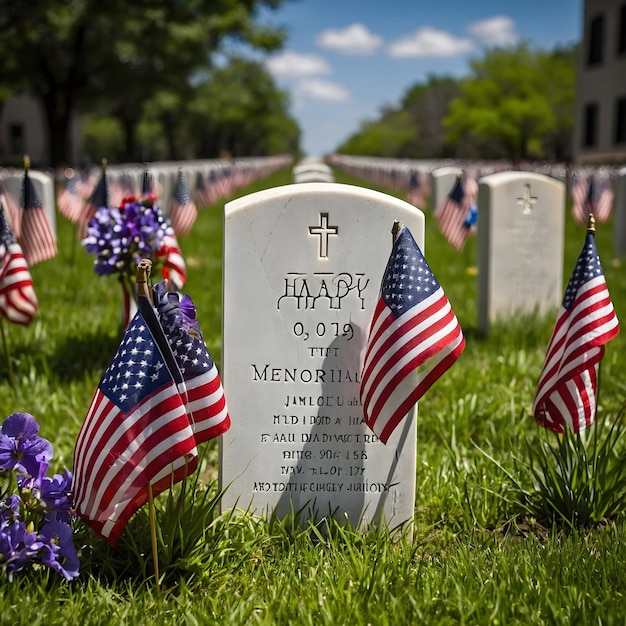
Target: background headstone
(521, 226)
(311, 171)
(443, 180)
(302, 271)
(44, 186)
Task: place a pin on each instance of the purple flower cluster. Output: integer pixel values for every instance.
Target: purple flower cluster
(35, 522)
(121, 236)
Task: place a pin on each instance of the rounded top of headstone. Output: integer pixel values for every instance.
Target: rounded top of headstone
(517, 176)
(317, 190)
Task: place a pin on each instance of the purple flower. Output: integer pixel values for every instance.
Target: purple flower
(177, 312)
(17, 546)
(58, 550)
(121, 237)
(20, 446)
(55, 494)
(187, 309)
(9, 510)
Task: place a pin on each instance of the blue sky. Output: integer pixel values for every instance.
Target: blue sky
(345, 59)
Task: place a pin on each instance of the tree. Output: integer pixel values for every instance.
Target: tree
(511, 104)
(234, 108)
(427, 105)
(114, 53)
(386, 137)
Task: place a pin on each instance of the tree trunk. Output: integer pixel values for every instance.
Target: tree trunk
(58, 111)
(129, 124)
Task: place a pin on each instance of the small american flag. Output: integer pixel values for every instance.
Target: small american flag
(11, 208)
(70, 202)
(206, 403)
(202, 194)
(183, 212)
(37, 238)
(18, 302)
(592, 194)
(567, 388)
(136, 432)
(174, 267)
(415, 192)
(452, 215)
(413, 326)
(99, 197)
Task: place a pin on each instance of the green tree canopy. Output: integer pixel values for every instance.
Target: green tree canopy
(517, 103)
(74, 53)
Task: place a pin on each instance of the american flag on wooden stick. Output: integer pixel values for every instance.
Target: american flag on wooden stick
(591, 194)
(99, 197)
(70, 202)
(567, 389)
(174, 267)
(413, 326)
(12, 210)
(452, 215)
(201, 194)
(136, 432)
(18, 302)
(205, 401)
(416, 191)
(183, 212)
(37, 239)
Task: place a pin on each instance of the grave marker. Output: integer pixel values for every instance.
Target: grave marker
(311, 171)
(44, 186)
(302, 270)
(443, 179)
(521, 222)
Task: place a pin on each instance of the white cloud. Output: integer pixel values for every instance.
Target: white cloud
(354, 39)
(429, 42)
(317, 89)
(291, 64)
(495, 31)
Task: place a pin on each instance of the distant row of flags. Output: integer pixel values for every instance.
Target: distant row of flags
(81, 197)
(457, 214)
(27, 236)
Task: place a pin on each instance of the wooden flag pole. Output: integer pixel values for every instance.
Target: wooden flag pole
(395, 229)
(591, 228)
(144, 269)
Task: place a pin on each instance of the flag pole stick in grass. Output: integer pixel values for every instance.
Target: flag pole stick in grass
(143, 289)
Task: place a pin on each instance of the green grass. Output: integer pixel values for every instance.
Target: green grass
(473, 558)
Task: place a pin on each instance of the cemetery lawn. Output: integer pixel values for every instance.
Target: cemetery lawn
(474, 556)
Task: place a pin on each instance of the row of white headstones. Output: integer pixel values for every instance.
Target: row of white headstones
(308, 259)
(302, 267)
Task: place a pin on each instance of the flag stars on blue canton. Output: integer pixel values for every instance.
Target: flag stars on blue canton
(134, 370)
(192, 356)
(587, 268)
(408, 279)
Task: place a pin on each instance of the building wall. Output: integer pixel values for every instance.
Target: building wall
(600, 122)
(23, 131)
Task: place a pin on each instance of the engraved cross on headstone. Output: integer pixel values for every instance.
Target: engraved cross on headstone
(323, 231)
(527, 200)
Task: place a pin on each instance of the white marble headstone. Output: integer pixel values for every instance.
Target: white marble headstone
(302, 271)
(619, 212)
(312, 171)
(44, 186)
(521, 225)
(443, 180)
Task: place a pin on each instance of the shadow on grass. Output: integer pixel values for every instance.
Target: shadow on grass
(76, 356)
